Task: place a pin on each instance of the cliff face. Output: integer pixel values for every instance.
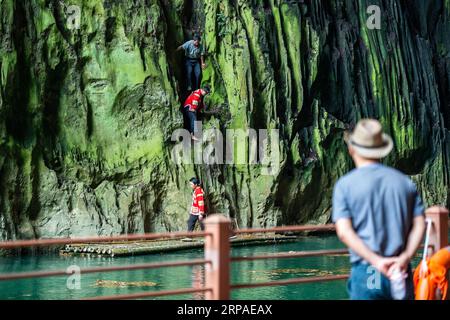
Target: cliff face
(87, 114)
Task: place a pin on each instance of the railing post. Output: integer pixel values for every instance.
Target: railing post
(217, 250)
(439, 228)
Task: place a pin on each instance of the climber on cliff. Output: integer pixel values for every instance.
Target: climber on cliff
(198, 205)
(194, 54)
(192, 105)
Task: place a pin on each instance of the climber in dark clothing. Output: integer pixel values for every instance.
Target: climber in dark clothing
(194, 61)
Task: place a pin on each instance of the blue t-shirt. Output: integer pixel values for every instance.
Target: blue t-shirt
(381, 202)
(191, 51)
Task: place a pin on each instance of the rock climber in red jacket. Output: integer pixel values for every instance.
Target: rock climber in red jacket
(198, 205)
(192, 105)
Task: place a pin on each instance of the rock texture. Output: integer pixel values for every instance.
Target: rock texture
(86, 115)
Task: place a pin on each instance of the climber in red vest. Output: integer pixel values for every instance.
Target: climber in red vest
(198, 205)
(192, 105)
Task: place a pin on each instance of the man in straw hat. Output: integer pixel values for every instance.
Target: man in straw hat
(379, 216)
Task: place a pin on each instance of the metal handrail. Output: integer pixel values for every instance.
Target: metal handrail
(130, 237)
(290, 281)
(47, 242)
(150, 294)
(61, 241)
(152, 236)
(41, 274)
(326, 227)
(299, 254)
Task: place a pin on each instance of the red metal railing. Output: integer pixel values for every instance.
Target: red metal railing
(40, 274)
(135, 237)
(300, 254)
(217, 258)
(152, 294)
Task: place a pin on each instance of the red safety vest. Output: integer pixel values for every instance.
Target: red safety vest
(198, 204)
(195, 100)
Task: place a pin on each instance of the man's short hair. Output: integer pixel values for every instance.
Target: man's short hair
(197, 37)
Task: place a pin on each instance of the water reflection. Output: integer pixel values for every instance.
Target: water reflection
(198, 281)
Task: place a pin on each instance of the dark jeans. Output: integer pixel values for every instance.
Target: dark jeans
(191, 222)
(193, 67)
(191, 118)
(366, 283)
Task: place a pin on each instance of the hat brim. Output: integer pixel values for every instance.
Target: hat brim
(372, 152)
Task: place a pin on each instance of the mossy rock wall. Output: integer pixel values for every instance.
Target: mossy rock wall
(86, 115)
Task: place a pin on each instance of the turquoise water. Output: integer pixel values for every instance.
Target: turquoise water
(185, 277)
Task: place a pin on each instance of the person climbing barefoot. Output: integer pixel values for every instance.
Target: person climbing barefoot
(194, 54)
(192, 105)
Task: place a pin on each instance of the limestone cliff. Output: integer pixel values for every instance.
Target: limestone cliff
(87, 112)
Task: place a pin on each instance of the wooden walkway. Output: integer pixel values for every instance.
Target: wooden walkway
(132, 248)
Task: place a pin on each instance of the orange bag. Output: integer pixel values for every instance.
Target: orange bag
(431, 275)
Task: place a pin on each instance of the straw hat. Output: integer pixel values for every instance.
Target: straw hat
(368, 140)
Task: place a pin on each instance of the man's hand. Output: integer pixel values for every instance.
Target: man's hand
(203, 65)
(401, 262)
(201, 217)
(414, 239)
(347, 235)
(384, 265)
